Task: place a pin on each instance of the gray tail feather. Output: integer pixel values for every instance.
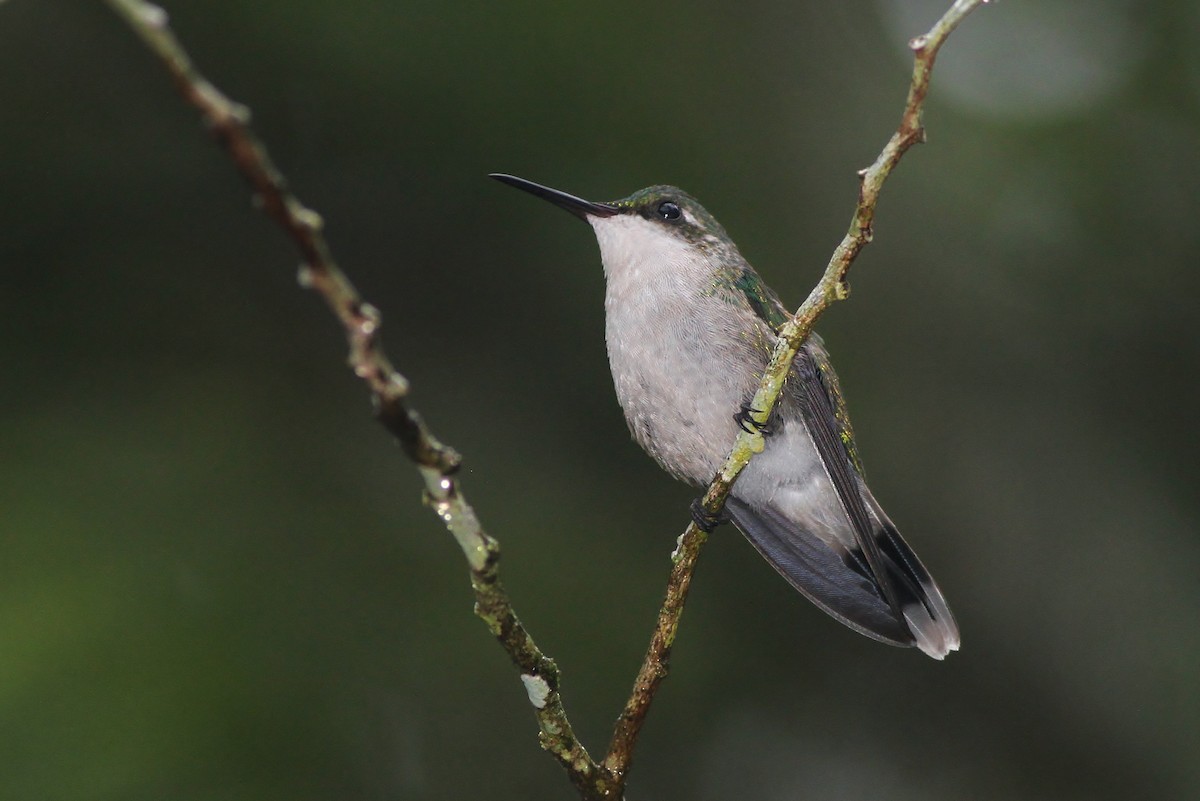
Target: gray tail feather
(839, 581)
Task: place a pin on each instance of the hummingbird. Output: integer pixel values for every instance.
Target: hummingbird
(690, 327)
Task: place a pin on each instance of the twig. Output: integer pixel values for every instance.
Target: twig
(831, 288)
(437, 463)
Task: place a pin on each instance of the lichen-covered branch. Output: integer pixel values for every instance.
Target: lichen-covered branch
(832, 287)
(437, 462)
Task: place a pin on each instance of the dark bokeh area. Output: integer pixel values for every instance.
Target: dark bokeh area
(218, 582)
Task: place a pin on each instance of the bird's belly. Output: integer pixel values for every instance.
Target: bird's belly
(680, 388)
(788, 476)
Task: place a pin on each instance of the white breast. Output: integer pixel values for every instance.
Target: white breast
(675, 349)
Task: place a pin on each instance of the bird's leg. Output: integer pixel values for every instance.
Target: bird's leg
(707, 523)
(747, 421)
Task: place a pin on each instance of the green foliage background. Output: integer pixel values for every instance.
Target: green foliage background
(217, 582)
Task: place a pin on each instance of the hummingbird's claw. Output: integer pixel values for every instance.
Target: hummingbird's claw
(746, 421)
(707, 523)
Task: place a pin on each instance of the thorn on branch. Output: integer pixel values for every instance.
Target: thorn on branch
(367, 372)
(223, 118)
(152, 16)
(237, 112)
(912, 136)
(368, 319)
(308, 219)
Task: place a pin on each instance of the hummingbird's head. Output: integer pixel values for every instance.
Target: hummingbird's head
(660, 225)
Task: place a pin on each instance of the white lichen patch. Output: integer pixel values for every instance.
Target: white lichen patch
(678, 546)
(537, 688)
(152, 15)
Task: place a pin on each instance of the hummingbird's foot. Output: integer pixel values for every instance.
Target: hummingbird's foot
(707, 523)
(747, 422)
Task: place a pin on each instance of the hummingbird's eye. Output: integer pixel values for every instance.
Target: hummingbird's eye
(669, 211)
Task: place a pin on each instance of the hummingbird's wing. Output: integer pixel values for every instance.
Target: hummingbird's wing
(818, 525)
(840, 582)
(827, 576)
(823, 530)
(823, 412)
(899, 575)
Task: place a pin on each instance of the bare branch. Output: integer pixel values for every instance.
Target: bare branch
(437, 463)
(831, 287)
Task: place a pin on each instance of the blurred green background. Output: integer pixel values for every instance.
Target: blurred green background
(217, 581)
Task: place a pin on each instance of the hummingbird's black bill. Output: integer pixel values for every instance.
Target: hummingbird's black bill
(576, 205)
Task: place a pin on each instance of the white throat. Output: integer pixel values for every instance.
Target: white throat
(636, 251)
